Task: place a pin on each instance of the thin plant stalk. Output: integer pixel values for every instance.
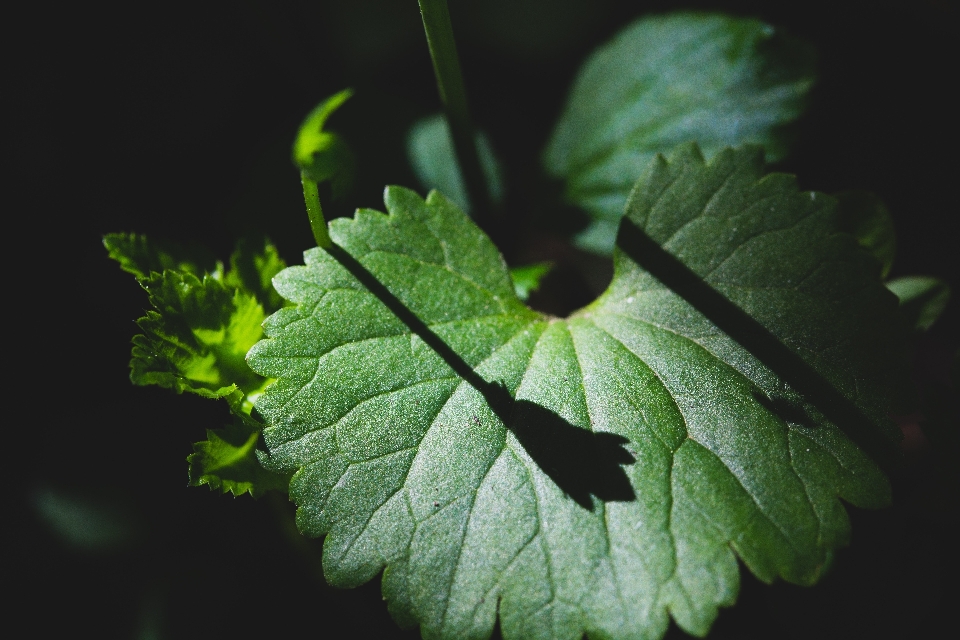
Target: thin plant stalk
(311, 198)
(453, 96)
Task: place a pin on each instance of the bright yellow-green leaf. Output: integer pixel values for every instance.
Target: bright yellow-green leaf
(323, 155)
(195, 339)
(922, 300)
(526, 279)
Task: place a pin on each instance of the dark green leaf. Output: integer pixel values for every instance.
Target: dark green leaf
(141, 257)
(434, 161)
(665, 80)
(595, 474)
(922, 300)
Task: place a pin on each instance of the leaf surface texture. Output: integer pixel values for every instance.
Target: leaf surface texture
(596, 474)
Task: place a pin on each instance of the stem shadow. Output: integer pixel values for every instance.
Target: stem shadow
(760, 342)
(582, 463)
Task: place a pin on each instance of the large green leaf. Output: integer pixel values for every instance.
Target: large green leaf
(596, 474)
(664, 80)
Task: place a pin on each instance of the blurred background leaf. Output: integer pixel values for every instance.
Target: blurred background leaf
(431, 154)
(713, 79)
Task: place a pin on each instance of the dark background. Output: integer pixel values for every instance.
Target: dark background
(175, 119)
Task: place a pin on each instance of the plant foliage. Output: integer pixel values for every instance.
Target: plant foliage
(664, 80)
(596, 474)
(589, 474)
(203, 322)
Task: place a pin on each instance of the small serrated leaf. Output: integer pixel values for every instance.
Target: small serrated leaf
(664, 80)
(197, 339)
(595, 474)
(139, 256)
(922, 300)
(203, 319)
(227, 460)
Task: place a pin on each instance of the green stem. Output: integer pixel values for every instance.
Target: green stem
(312, 199)
(453, 95)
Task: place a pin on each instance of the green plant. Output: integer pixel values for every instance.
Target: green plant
(701, 370)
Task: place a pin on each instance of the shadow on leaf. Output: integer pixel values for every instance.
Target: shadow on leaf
(582, 463)
(789, 411)
(760, 342)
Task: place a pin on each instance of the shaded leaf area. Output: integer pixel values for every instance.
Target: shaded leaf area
(664, 80)
(596, 474)
(733, 293)
(579, 461)
(195, 338)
